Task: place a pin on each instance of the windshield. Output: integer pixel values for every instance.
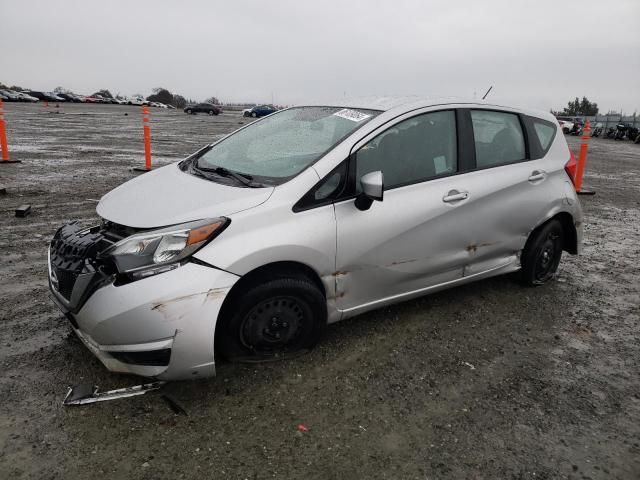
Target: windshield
(284, 143)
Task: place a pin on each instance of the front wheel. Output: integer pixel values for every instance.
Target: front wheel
(542, 253)
(254, 114)
(271, 320)
(189, 111)
(211, 112)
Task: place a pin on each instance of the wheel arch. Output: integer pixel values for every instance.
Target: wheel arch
(269, 271)
(570, 241)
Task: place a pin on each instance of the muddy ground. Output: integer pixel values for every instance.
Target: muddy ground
(485, 381)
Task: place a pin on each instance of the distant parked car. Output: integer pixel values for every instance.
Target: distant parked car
(54, 97)
(24, 97)
(44, 96)
(106, 100)
(8, 95)
(70, 97)
(135, 100)
(209, 108)
(259, 111)
(3, 98)
(567, 124)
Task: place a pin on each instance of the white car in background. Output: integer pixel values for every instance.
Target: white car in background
(137, 101)
(567, 123)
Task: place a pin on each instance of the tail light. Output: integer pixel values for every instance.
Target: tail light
(571, 167)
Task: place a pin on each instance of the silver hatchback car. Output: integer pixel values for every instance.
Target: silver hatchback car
(248, 248)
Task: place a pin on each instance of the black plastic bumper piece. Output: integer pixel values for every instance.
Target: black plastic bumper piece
(150, 358)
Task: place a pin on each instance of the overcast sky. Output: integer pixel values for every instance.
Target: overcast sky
(538, 53)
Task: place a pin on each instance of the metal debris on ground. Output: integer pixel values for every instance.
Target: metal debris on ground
(23, 210)
(88, 393)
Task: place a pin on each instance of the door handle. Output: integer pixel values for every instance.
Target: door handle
(537, 175)
(455, 196)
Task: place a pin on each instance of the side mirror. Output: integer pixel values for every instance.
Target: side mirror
(372, 189)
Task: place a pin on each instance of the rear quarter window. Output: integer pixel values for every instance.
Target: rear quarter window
(541, 134)
(545, 131)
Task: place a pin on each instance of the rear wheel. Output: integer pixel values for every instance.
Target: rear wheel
(542, 253)
(211, 112)
(272, 320)
(254, 114)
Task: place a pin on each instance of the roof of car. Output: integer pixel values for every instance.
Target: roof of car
(386, 103)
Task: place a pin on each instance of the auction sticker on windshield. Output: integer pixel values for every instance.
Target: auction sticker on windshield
(352, 115)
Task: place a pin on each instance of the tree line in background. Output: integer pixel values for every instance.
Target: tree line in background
(578, 107)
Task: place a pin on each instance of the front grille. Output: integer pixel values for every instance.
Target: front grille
(70, 248)
(66, 279)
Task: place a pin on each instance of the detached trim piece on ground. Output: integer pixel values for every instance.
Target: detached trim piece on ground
(88, 393)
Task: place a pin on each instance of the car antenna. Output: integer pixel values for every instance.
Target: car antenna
(485, 95)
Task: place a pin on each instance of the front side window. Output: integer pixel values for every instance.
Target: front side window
(285, 143)
(414, 150)
(498, 138)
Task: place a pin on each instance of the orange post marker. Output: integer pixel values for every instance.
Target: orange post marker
(4, 146)
(147, 137)
(582, 159)
(3, 135)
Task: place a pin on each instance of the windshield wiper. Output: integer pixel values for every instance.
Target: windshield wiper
(243, 178)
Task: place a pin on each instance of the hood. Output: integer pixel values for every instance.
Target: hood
(169, 196)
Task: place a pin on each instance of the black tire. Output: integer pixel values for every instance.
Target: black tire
(211, 112)
(272, 320)
(189, 111)
(254, 114)
(541, 254)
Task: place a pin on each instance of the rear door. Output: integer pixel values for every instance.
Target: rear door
(415, 237)
(511, 191)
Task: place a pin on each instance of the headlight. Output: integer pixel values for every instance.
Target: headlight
(159, 248)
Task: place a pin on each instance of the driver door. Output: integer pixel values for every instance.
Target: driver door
(414, 238)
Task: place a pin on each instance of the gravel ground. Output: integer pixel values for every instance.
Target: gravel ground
(485, 381)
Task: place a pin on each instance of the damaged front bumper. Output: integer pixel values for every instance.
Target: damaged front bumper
(161, 326)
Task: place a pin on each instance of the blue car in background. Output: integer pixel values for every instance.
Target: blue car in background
(259, 111)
